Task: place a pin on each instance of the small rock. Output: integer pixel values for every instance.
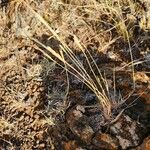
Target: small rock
(105, 141)
(79, 123)
(129, 133)
(145, 145)
(70, 145)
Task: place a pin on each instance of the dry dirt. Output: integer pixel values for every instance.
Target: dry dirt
(42, 108)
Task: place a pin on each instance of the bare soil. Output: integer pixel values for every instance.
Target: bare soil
(41, 108)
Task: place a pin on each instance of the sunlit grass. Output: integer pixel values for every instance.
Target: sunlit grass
(96, 83)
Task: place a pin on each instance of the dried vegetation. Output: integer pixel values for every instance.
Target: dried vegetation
(73, 73)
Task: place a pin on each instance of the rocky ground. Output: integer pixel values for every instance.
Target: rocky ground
(45, 108)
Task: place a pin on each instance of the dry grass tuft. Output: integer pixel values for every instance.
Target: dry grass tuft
(53, 49)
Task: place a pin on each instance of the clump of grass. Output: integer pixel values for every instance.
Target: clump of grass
(76, 67)
(96, 83)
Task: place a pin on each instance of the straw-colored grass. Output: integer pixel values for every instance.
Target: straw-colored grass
(96, 83)
(76, 67)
